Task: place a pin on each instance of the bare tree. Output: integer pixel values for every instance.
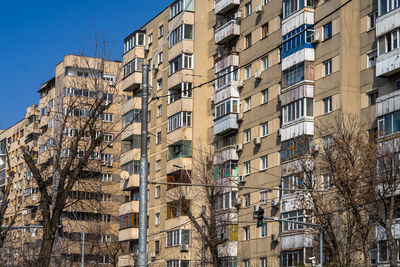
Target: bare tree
(343, 166)
(8, 180)
(74, 141)
(220, 224)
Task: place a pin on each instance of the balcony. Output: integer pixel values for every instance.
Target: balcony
(133, 181)
(133, 103)
(226, 124)
(298, 18)
(128, 234)
(126, 260)
(228, 249)
(388, 22)
(296, 240)
(132, 129)
(388, 103)
(225, 154)
(132, 82)
(227, 32)
(129, 207)
(185, 162)
(183, 104)
(227, 61)
(228, 91)
(224, 6)
(388, 64)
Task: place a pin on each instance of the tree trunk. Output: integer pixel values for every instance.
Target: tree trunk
(215, 258)
(393, 248)
(46, 250)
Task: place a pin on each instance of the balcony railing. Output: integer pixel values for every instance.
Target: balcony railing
(227, 31)
(227, 61)
(225, 154)
(226, 124)
(223, 6)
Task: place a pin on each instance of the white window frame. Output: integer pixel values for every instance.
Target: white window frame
(157, 191)
(247, 167)
(265, 96)
(158, 165)
(327, 105)
(264, 162)
(247, 135)
(264, 129)
(157, 219)
(246, 233)
(248, 72)
(263, 197)
(265, 63)
(328, 67)
(247, 103)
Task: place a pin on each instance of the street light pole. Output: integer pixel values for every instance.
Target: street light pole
(142, 255)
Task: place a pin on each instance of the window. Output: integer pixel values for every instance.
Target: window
(126, 221)
(265, 2)
(247, 103)
(297, 110)
(158, 191)
(130, 67)
(246, 263)
(158, 164)
(246, 233)
(225, 200)
(296, 147)
(133, 115)
(150, 38)
(327, 31)
(248, 41)
(327, 179)
(179, 119)
(328, 67)
(230, 106)
(131, 167)
(264, 162)
(264, 233)
(394, 39)
(372, 97)
(293, 75)
(160, 58)
(263, 197)
(264, 61)
(248, 72)
(183, 61)
(158, 138)
(264, 94)
(248, 9)
(246, 200)
(371, 57)
(387, 6)
(291, 258)
(159, 110)
(296, 216)
(157, 219)
(264, 30)
(161, 31)
(397, 85)
(159, 84)
(264, 129)
(184, 31)
(178, 237)
(225, 76)
(106, 177)
(129, 43)
(247, 167)
(291, 6)
(382, 251)
(327, 142)
(371, 21)
(247, 135)
(389, 123)
(327, 105)
(176, 8)
(263, 261)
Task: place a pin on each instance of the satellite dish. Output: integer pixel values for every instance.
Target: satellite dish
(124, 175)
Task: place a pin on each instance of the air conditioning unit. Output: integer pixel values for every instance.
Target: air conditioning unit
(274, 202)
(112, 83)
(259, 9)
(257, 141)
(240, 84)
(238, 15)
(279, 132)
(242, 179)
(177, 149)
(315, 148)
(184, 248)
(109, 163)
(256, 208)
(257, 75)
(153, 255)
(238, 202)
(239, 147)
(18, 139)
(315, 38)
(279, 98)
(146, 47)
(240, 116)
(274, 238)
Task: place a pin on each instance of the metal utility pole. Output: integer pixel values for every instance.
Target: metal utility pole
(203, 241)
(142, 255)
(83, 250)
(8, 256)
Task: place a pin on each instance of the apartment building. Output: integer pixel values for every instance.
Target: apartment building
(92, 208)
(179, 119)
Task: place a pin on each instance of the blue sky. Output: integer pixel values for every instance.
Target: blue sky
(34, 36)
